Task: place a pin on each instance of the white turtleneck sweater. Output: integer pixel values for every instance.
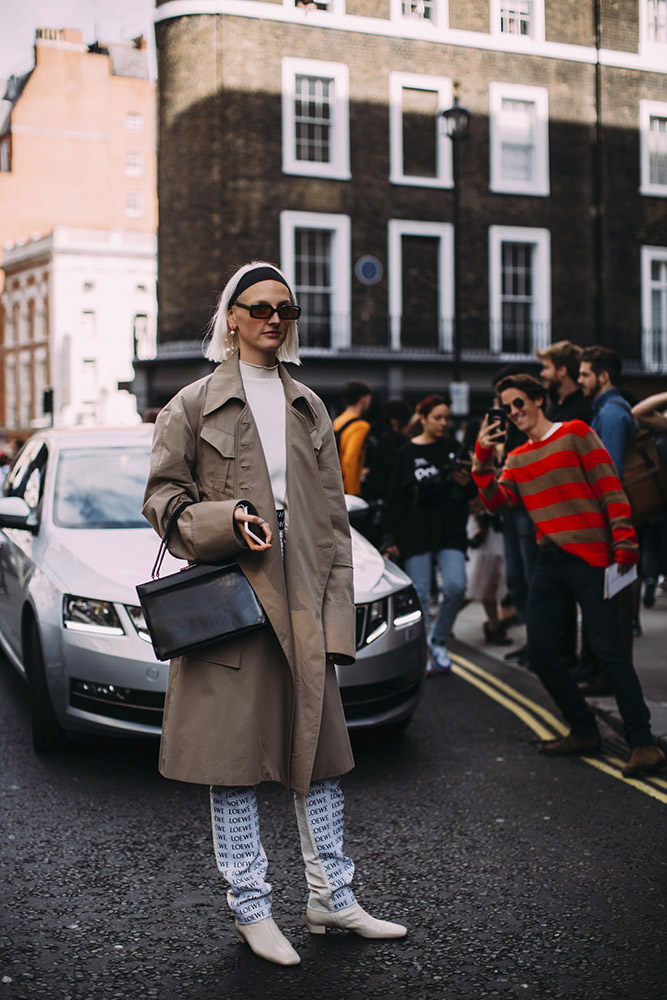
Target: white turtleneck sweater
(266, 398)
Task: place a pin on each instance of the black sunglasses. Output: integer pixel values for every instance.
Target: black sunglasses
(517, 403)
(262, 310)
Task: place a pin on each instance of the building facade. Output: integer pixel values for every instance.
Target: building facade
(309, 134)
(79, 305)
(77, 181)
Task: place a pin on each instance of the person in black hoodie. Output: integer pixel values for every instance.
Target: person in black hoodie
(426, 518)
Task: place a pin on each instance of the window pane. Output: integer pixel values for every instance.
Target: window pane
(420, 109)
(313, 118)
(517, 297)
(657, 150)
(516, 18)
(420, 321)
(656, 21)
(314, 290)
(518, 139)
(419, 9)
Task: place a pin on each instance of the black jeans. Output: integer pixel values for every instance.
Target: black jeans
(557, 577)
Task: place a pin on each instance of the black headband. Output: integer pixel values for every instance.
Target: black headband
(261, 273)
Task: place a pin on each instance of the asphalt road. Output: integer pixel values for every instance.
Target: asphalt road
(517, 876)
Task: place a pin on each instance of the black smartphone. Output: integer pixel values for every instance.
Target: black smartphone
(496, 413)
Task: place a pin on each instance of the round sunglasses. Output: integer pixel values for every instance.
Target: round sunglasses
(517, 403)
(262, 310)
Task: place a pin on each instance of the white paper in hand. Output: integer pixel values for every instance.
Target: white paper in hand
(615, 580)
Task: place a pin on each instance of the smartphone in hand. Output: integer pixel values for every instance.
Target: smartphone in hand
(255, 532)
(495, 414)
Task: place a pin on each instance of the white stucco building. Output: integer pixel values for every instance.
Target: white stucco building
(78, 305)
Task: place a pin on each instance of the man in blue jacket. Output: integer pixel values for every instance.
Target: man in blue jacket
(612, 420)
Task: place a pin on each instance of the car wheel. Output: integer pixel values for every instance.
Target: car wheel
(47, 733)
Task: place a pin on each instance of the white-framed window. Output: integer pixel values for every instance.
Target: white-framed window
(315, 256)
(5, 155)
(88, 381)
(10, 392)
(420, 153)
(653, 147)
(422, 14)
(654, 307)
(316, 131)
(134, 122)
(143, 336)
(519, 139)
(421, 285)
(8, 332)
(134, 163)
(134, 204)
(88, 324)
(653, 28)
(519, 289)
(25, 390)
(518, 20)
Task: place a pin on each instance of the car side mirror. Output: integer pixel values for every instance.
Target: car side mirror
(15, 513)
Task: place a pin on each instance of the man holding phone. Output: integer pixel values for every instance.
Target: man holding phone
(564, 478)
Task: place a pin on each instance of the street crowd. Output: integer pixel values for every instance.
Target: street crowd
(524, 511)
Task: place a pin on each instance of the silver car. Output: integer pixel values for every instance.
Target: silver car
(73, 547)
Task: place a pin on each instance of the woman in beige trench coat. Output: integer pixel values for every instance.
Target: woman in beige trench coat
(253, 453)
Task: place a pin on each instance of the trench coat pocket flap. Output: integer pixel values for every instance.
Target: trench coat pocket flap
(316, 440)
(224, 442)
(222, 654)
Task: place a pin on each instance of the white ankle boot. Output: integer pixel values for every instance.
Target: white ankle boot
(353, 918)
(267, 941)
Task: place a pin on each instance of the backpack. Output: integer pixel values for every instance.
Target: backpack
(338, 434)
(644, 476)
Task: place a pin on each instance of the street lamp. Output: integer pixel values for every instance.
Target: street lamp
(454, 123)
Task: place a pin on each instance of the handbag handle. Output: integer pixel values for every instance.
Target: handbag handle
(162, 551)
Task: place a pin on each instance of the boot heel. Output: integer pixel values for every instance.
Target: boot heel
(316, 929)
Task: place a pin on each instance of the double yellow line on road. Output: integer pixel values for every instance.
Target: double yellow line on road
(545, 724)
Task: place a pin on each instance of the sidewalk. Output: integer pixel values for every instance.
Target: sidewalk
(650, 658)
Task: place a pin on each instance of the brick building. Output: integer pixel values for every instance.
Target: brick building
(77, 185)
(308, 134)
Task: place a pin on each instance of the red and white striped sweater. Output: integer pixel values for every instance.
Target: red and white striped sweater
(569, 487)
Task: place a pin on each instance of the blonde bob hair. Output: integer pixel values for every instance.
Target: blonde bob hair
(222, 342)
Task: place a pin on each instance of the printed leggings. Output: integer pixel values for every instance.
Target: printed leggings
(241, 859)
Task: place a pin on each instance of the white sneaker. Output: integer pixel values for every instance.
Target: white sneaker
(440, 656)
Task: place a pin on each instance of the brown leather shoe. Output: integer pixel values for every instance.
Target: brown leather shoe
(568, 745)
(644, 759)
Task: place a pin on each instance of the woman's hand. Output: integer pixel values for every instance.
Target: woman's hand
(491, 433)
(251, 536)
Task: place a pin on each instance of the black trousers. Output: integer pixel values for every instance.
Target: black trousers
(557, 578)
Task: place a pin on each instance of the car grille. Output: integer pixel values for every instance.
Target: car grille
(113, 702)
(364, 700)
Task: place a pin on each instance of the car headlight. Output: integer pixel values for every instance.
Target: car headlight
(84, 614)
(137, 618)
(377, 621)
(407, 609)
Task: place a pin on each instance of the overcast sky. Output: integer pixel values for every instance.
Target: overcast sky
(106, 20)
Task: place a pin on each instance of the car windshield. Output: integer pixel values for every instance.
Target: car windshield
(101, 488)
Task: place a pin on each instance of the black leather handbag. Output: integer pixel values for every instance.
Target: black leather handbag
(197, 606)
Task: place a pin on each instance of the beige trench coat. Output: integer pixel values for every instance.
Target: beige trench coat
(266, 706)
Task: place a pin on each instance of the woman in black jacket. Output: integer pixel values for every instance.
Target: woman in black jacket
(427, 514)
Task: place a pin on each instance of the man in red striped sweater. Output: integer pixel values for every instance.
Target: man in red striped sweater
(566, 481)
